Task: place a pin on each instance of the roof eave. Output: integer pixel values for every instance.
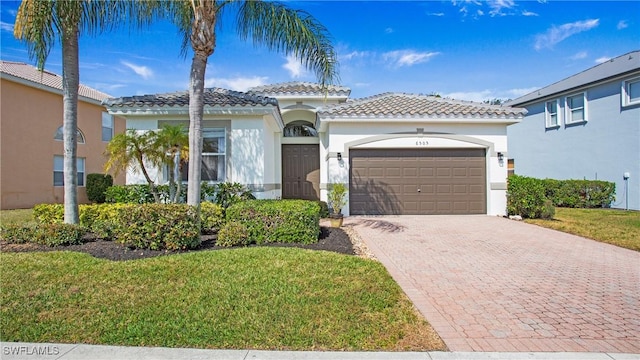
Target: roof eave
(47, 88)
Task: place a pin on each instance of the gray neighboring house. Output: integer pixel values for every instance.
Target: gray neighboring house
(586, 126)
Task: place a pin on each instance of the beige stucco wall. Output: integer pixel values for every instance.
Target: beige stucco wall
(29, 118)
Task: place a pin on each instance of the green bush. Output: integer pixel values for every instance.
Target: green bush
(324, 209)
(525, 196)
(157, 226)
(580, 193)
(211, 217)
(284, 221)
(233, 233)
(48, 213)
(129, 194)
(227, 194)
(17, 233)
(58, 234)
(97, 185)
(100, 219)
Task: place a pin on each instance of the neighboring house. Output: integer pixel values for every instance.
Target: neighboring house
(586, 126)
(31, 136)
(399, 153)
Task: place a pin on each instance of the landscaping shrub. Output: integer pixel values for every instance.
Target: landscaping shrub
(324, 209)
(100, 219)
(525, 196)
(48, 213)
(158, 226)
(227, 194)
(55, 234)
(580, 193)
(211, 217)
(129, 194)
(17, 233)
(97, 185)
(233, 233)
(278, 220)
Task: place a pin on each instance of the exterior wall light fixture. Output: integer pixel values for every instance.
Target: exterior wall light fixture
(339, 156)
(500, 156)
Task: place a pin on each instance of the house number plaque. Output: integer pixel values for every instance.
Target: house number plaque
(422, 143)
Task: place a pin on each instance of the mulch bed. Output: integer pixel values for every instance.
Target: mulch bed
(331, 239)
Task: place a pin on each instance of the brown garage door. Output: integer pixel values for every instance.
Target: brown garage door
(417, 182)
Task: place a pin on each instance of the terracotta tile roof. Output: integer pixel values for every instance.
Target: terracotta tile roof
(49, 79)
(300, 88)
(401, 105)
(212, 97)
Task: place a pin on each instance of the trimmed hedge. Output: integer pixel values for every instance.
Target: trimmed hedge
(285, 221)
(233, 233)
(157, 226)
(53, 234)
(141, 193)
(535, 198)
(211, 217)
(97, 185)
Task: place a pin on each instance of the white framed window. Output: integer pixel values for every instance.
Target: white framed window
(59, 136)
(552, 115)
(576, 106)
(58, 170)
(213, 156)
(107, 126)
(631, 92)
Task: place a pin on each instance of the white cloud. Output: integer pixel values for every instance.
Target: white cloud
(354, 54)
(516, 93)
(401, 58)
(141, 70)
(497, 6)
(388, 30)
(6, 26)
(477, 96)
(294, 67)
(578, 56)
(622, 24)
(238, 83)
(558, 33)
(529, 13)
(435, 14)
(600, 60)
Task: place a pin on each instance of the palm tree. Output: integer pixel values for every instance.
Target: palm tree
(173, 141)
(271, 24)
(133, 149)
(40, 23)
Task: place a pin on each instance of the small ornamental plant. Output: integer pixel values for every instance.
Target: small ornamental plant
(337, 199)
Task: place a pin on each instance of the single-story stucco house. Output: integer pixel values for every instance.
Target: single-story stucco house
(399, 153)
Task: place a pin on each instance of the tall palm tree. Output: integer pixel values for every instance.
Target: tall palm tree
(41, 23)
(274, 25)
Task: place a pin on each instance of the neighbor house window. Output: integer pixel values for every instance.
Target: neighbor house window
(59, 136)
(107, 126)
(631, 92)
(551, 111)
(213, 156)
(576, 108)
(58, 170)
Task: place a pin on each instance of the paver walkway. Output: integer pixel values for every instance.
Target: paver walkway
(487, 283)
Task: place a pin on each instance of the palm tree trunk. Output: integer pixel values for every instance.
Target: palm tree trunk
(71, 79)
(196, 108)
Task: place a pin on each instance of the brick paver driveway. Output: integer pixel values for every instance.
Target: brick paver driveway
(492, 284)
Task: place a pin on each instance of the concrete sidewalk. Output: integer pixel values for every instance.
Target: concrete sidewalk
(46, 351)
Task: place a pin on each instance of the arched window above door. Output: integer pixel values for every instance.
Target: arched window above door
(300, 128)
(79, 135)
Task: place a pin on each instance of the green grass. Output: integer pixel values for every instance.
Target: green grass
(617, 227)
(250, 298)
(19, 216)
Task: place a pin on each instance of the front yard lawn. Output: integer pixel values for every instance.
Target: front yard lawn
(247, 298)
(617, 227)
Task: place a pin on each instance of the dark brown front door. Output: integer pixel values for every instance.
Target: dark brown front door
(301, 171)
(417, 182)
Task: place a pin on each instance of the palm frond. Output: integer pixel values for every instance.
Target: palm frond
(290, 31)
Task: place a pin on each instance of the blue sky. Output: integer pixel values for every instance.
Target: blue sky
(467, 50)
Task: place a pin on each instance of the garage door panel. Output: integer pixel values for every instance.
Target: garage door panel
(417, 181)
